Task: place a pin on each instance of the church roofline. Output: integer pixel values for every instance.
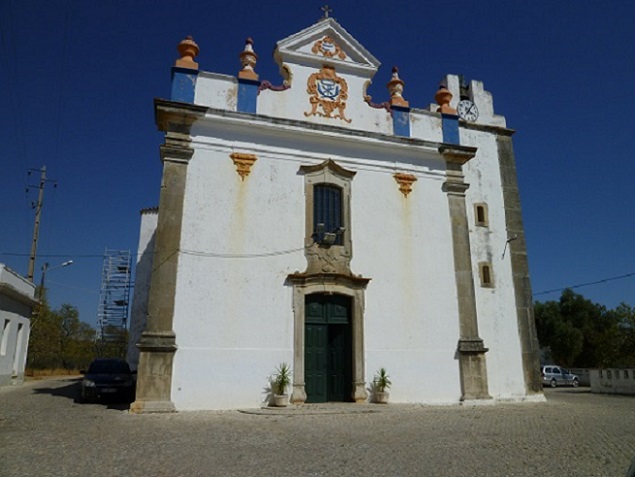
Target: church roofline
(149, 210)
(363, 62)
(232, 119)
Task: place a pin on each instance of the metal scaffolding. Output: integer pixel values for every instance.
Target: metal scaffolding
(112, 333)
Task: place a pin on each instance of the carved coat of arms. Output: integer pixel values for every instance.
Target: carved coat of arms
(327, 47)
(328, 92)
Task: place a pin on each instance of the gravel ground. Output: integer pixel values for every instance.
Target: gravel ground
(44, 432)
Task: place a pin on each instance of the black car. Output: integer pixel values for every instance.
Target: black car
(108, 378)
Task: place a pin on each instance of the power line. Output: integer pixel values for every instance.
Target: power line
(64, 255)
(295, 250)
(243, 255)
(597, 282)
(184, 252)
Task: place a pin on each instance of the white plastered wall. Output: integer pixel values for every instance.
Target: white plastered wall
(496, 306)
(16, 297)
(143, 273)
(233, 315)
(241, 238)
(411, 316)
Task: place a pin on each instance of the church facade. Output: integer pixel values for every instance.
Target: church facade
(305, 224)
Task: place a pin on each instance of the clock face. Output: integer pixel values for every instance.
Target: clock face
(467, 110)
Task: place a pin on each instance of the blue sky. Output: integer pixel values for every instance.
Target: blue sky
(78, 78)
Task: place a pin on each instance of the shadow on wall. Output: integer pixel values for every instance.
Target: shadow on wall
(139, 311)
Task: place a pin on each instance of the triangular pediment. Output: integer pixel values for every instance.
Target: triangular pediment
(327, 42)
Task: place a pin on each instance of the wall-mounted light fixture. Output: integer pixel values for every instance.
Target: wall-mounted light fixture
(327, 238)
(510, 239)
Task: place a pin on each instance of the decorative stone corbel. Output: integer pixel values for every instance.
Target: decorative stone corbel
(405, 182)
(243, 163)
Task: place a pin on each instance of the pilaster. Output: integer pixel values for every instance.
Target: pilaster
(158, 341)
(530, 349)
(470, 348)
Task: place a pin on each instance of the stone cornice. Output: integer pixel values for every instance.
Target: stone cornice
(172, 116)
(457, 154)
(328, 278)
(498, 130)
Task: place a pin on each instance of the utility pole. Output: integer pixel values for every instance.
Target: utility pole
(36, 226)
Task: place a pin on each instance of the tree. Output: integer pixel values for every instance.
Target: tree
(113, 342)
(59, 339)
(581, 333)
(625, 315)
(77, 339)
(44, 339)
(563, 339)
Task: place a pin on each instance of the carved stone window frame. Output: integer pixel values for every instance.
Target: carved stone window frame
(486, 273)
(330, 173)
(481, 219)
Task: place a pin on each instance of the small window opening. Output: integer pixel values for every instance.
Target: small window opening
(480, 211)
(487, 278)
(5, 337)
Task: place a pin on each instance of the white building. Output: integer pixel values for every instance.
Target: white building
(16, 302)
(305, 224)
(613, 381)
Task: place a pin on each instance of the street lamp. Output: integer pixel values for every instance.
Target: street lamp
(46, 268)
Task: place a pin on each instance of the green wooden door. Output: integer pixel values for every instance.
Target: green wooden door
(315, 363)
(339, 363)
(328, 348)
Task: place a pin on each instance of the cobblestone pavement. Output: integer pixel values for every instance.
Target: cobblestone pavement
(43, 432)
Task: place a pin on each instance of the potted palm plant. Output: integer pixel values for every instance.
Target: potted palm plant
(381, 382)
(280, 384)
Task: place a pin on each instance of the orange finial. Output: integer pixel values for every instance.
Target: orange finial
(248, 59)
(188, 49)
(395, 88)
(443, 98)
